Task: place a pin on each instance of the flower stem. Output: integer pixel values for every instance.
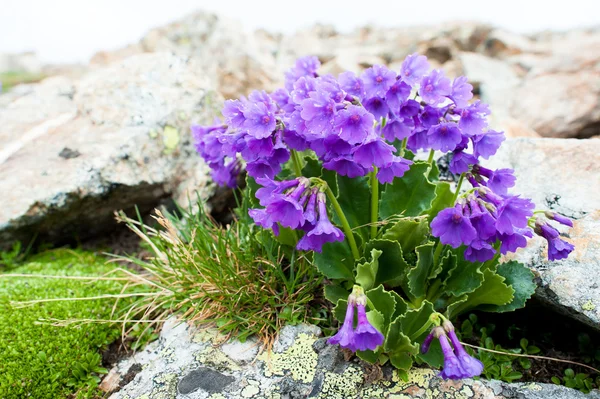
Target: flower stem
(296, 163)
(374, 202)
(431, 154)
(433, 319)
(344, 221)
(460, 182)
(403, 147)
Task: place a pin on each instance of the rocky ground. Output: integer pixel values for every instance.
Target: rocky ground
(76, 148)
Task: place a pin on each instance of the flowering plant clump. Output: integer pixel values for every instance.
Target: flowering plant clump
(333, 169)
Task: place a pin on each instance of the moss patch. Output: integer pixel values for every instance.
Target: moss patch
(38, 360)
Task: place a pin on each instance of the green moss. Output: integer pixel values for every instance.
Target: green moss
(38, 360)
(13, 78)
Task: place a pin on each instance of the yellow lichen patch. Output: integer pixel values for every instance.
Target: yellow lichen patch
(465, 393)
(217, 359)
(416, 377)
(300, 359)
(589, 305)
(165, 387)
(342, 386)
(250, 391)
(207, 335)
(533, 387)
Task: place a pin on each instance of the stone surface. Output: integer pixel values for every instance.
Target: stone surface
(562, 176)
(307, 368)
(74, 151)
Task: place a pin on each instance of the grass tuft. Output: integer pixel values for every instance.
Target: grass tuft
(234, 277)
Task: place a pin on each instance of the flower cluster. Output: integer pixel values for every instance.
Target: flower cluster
(457, 362)
(488, 215)
(364, 336)
(294, 204)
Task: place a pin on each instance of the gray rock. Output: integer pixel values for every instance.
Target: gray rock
(306, 369)
(203, 378)
(127, 124)
(562, 176)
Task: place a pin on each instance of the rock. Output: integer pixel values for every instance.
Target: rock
(20, 62)
(74, 151)
(308, 368)
(562, 176)
(560, 104)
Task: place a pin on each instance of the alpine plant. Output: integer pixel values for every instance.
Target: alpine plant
(334, 168)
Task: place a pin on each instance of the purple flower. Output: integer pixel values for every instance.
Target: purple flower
(257, 148)
(352, 84)
(302, 88)
(263, 219)
(305, 66)
(427, 342)
(461, 161)
(559, 218)
(413, 68)
(479, 251)
(485, 145)
(397, 95)
(512, 242)
(286, 209)
(318, 112)
(435, 87)
(376, 152)
(513, 213)
(354, 124)
(397, 129)
(481, 219)
(472, 367)
(227, 174)
(322, 233)
(409, 109)
(294, 140)
(452, 367)
(260, 121)
(461, 92)
(453, 228)
(378, 107)
(345, 166)
(499, 181)
(233, 111)
(473, 118)
(345, 335)
(378, 79)
(418, 140)
(270, 188)
(559, 249)
(366, 337)
(397, 168)
(444, 137)
(310, 215)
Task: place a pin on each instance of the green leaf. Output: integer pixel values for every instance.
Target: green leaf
(444, 198)
(335, 292)
(366, 273)
(330, 178)
(397, 342)
(466, 277)
(376, 319)
(419, 275)
(392, 266)
(493, 291)
(253, 187)
(335, 261)
(408, 196)
(415, 319)
(520, 279)
(384, 302)
(409, 232)
(339, 311)
(354, 198)
(287, 236)
(401, 305)
(312, 167)
(447, 266)
(401, 360)
(369, 356)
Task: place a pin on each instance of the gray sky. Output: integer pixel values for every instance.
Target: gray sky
(73, 30)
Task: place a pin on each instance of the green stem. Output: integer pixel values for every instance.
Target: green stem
(433, 319)
(430, 159)
(460, 182)
(437, 253)
(344, 221)
(296, 163)
(433, 290)
(374, 202)
(403, 147)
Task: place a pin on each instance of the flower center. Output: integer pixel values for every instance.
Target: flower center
(429, 88)
(266, 119)
(444, 130)
(456, 218)
(379, 79)
(355, 118)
